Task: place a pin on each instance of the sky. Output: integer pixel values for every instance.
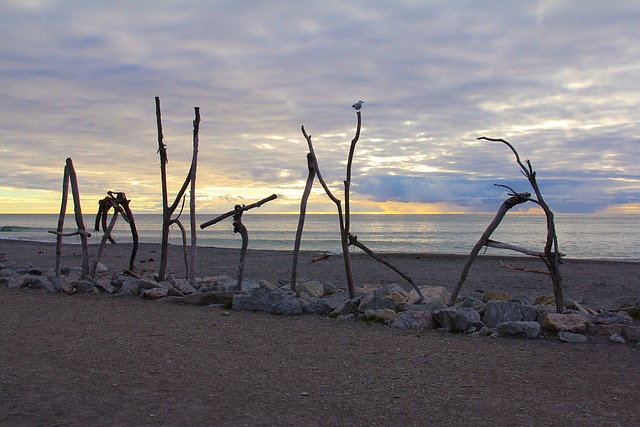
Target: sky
(558, 79)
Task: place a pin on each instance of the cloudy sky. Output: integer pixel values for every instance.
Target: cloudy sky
(559, 79)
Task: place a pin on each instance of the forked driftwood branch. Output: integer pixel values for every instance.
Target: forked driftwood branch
(239, 227)
(551, 255)
(168, 210)
(70, 177)
(314, 169)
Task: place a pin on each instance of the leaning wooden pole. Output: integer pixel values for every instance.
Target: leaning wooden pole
(303, 212)
(502, 211)
(75, 191)
(63, 212)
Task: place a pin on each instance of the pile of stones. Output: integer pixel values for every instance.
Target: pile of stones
(493, 314)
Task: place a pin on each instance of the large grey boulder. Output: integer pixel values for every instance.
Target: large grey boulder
(496, 312)
(376, 302)
(42, 282)
(414, 319)
(519, 329)
(570, 337)
(458, 319)
(269, 299)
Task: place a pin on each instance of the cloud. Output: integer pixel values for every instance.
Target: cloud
(556, 79)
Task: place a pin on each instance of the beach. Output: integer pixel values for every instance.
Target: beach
(100, 360)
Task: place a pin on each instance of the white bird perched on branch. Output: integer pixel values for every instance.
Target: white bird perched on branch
(358, 105)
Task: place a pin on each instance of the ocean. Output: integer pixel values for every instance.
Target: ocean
(580, 236)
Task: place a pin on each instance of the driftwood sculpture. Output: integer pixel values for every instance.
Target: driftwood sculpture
(70, 177)
(169, 210)
(347, 239)
(550, 255)
(314, 170)
(120, 204)
(238, 227)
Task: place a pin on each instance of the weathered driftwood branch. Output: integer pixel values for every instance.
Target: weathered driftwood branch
(70, 234)
(243, 208)
(70, 177)
(343, 233)
(303, 212)
(238, 227)
(499, 245)
(552, 256)
(503, 265)
(512, 201)
(120, 204)
(168, 210)
(353, 240)
(192, 198)
(106, 236)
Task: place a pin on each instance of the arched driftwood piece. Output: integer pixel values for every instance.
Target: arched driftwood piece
(238, 227)
(70, 177)
(169, 210)
(120, 204)
(551, 255)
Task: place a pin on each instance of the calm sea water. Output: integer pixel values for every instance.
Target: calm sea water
(595, 236)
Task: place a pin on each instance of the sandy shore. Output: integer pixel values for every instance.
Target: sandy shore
(100, 360)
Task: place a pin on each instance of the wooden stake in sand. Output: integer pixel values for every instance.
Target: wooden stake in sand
(168, 210)
(71, 178)
(551, 256)
(238, 227)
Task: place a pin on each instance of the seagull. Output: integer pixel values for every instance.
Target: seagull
(358, 105)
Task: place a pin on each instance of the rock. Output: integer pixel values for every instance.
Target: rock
(85, 285)
(528, 329)
(382, 314)
(28, 269)
(490, 295)
(42, 282)
(628, 304)
(269, 299)
(571, 337)
(614, 328)
(104, 283)
(545, 300)
(330, 289)
(61, 284)
(101, 268)
(415, 320)
(496, 312)
(456, 319)
(571, 322)
(349, 306)
(431, 294)
(312, 289)
(155, 293)
(472, 303)
(21, 281)
(184, 286)
(631, 333)
(376, 302)
(210, 298)
(6, 275)
(335, 300)
(316, 306)
(617, 339)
